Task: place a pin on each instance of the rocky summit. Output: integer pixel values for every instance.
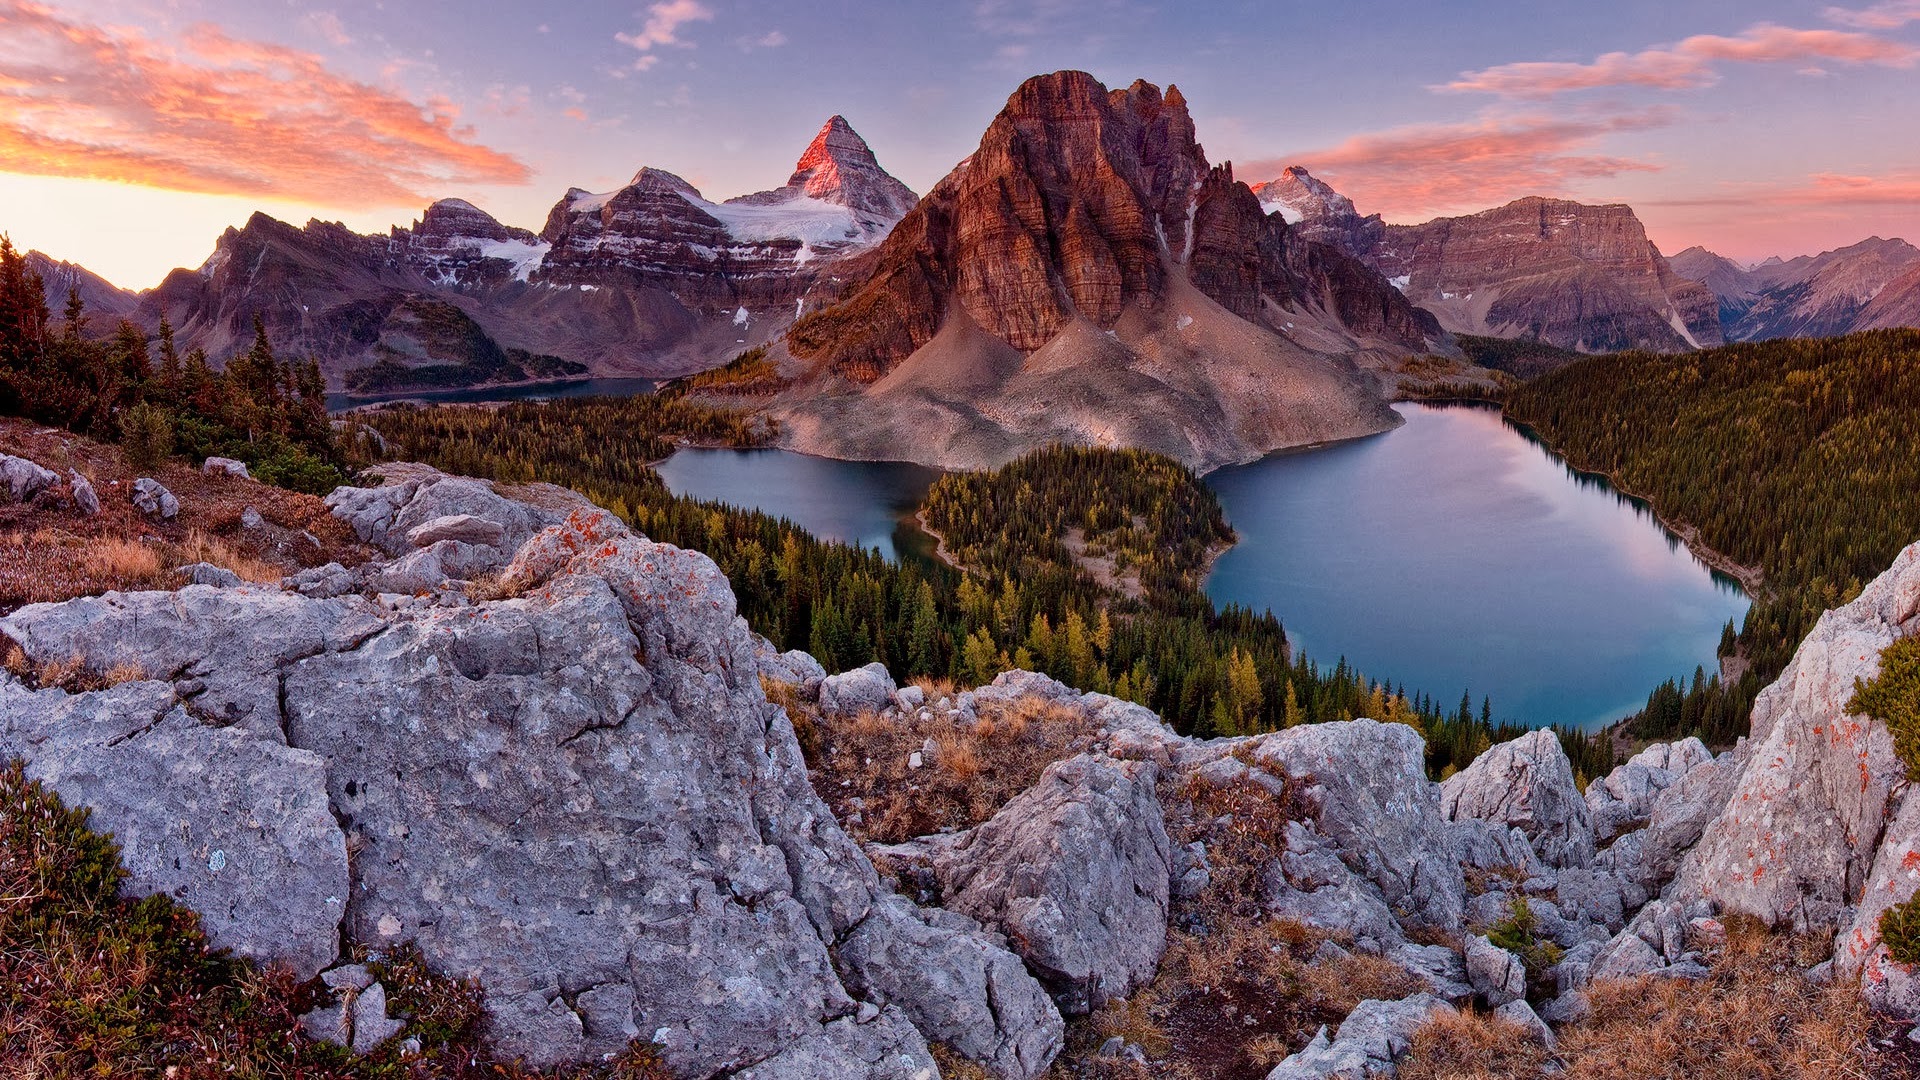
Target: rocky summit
(1087, 276)
(539, 747)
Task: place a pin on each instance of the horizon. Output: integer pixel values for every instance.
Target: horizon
(1755, 131)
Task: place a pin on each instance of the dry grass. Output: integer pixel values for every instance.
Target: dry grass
(860, 764)
(49, 551)
(1755, 1018)
(1473, 1046)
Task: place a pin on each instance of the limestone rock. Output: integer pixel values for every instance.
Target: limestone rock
(1495, 973)
(867, 689)
(1310, 884)
(1796, 844)
(1860, 954)
(1366, 788)
(1076, 873)
(956, 987)
(1528, 784)
(371, 1024)
(1520, 1013)
(1443, 970)
(208, 574)
(223, 466)
(25, 479)
(234, 827)
(1624, 798)
(414, 496)
(465, 528)
(1372, 1037)
(1649, 857)
(884, 1048)
(85, 499)
(151, 498)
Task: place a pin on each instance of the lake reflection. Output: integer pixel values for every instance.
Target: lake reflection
(1455, 553)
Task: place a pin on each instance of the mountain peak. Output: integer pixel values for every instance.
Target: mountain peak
(839, 167)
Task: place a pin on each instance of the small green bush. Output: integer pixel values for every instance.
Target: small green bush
(1893, 698)
(146, 436)
(1900, 929)
(1516, 934)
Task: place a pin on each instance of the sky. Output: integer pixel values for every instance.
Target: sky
(133, 131)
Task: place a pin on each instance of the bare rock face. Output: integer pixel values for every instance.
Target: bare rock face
(1797, 842)
(577, 795)
(1624, 798)
(1366, 788)
(1087, 276)
(1871, 285)
(1526, 784)
(1076, 872)
(1570, 274)
(1372, 1037)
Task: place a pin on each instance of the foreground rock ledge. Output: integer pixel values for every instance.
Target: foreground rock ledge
(577, 794)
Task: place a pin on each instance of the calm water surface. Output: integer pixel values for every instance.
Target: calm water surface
(1452, 553)
(867, 503)
(1455, 553)
(537, 392)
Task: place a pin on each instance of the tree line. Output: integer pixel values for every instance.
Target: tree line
(1800, 457)
(144, 393)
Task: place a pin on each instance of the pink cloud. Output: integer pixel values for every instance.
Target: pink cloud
(662, 27)
(1430, 168)
(220, 115)
(1887, 16)
(1827, 189)
(1687, 65)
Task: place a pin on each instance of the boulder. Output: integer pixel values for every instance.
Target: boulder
(1486, 845)
(1310, 884)
(234, 827)
(1441, 968)
(867, 689)
(1494, 973)
(25, 479)
(415, 495)
(1371, 1039)
(1650, 856)
(885, 1047)
(85, 499)
(152, 499)
(371, 1024)
(208, 574)
(1076, 873)
(1624, 798)
(1797, 841)
(1521, 1014)
(793, 667)
(956, 987)
(464, 528)
(1364, 786)
(1527, 784)
(225, 466)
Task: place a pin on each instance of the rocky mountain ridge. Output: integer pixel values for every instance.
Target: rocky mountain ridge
(651, 279)
(572, 786)
(1834, 292)
(1087, 276)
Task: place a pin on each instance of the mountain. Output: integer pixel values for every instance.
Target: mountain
(106, 302)
(1812, 296)
(1086, 276)
(1319, 213)
(1896, 305)
(652, 279)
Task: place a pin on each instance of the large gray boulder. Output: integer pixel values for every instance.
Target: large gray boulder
(232, 826)
(1076, 873)
(24, 479)
(955, 986)
(85, 498)
(152, 499)
(226, 467)
(1309, 884)
(1624, 799)
(1527, 784)
(1650, 856)
(867, 689)
(1860, 954)
(1494, 973)
(1364, 786)
(1797, 841)
(415, 496)
(1371, 1039)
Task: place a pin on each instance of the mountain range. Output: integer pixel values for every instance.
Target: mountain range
(1085, 275)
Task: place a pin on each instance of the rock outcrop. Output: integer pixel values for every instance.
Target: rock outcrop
(576, 794)
(1077, 873)
(1870, 285)
(1087, 276)
(1526, 784)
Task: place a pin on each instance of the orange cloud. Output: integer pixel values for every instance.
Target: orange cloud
(1688, 64)
(1819, 189)
(1430, 168)
(219, 115)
